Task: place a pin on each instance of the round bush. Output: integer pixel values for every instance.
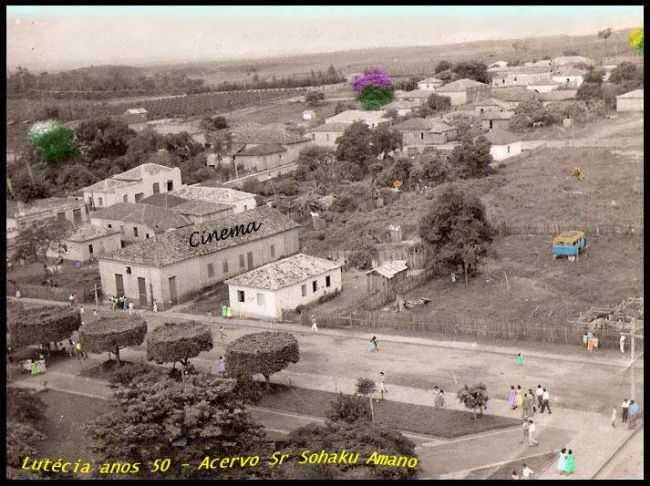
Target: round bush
(263, 352)
(178, 341)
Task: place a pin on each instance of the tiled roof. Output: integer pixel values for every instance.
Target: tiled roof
(330, 127)
(127, 178)
(637, 93)
(157, 218)
(460, 85)
(218, 195)
(431, 80)
(501, 137)
(416, 93)
(390, 269)
(49, 204)
(558, 95)
(572, 60)
(163, 200)
(350, 116)
(429, 124)
(284, 273)
(174, 246)
(263, 149)
(88, 232)
(200, 208)
(254, 133)
(515, 93)
(492, 102)
(497, 115)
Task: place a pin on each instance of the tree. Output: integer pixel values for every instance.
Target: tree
(434, 169)
(55, 144)
(367, 440)
(185, 422)
(407, 84)
(443, 66)
(313, 98)
(385, 140)
(435, 104)
(604, 35)
(341, 107)
(594, 76)
(588, 91)
(110, 334)
(457, 230)
(626, 71)
(374, 88)
(474, 397)
(74, 176)
(26, 190)
(355, 144)
(349, 409)
(213, 124)
(43, 325)
(366, 387)
(472, 70)
(262, 352)
(35, 239)
(471, 158)
(315, 162)
(178, 341)
(104, 137)
(399, 171)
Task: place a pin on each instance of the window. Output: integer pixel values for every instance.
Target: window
(156, 188)
(421, 135)
(304, 290)
(210, 270)
(242, 261)
(225, 266)
(125, 198)
(328, 281)
(135, 231)
(170, 185)
(100, 201)
(260, 299)
(508, 148)
(128, 270)
(314, 285)
(122, 244)
(240, 296)
(146, 236)
(272, 251)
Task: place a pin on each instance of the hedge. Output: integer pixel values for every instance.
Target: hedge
(263, 352)
(179, 341)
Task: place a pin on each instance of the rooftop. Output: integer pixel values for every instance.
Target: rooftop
(136, 111)
(433, 125)
(431, 80)
(218, 195)
(501, 137)
(460, 85)
(174, 246)
(262, 149)
(127, 178)
(200, 208)
(416, 93)
(15, 209)
(515, 93)
(160, 219)
(637, 93)
(284, 273)
(255, 133)
(390, 269)
(330, 127)
(492, 102)
(350, 116)
(558, 95)
(89, 232)
(497, 115)
(163, 200)
(572, 60)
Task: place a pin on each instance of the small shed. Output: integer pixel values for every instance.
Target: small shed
(632, 101)
(308, 115)
(135, 115)
(90, 241)
(384, 277)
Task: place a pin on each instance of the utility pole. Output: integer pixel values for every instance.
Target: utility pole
(633, 337)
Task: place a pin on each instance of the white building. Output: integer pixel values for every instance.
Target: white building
(403, 107)
(308, 115)
(239, 201)
(283, 285)
(632, 101)
(132, 185)
(327, 134)
(464, 91)
(569, 78)
(90, 241)
(504, 144)
(371, 118)
(430, 84)
(417, 97)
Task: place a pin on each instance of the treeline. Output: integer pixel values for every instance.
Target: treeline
(316, 78)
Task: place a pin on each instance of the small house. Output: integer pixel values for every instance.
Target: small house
(201, 211)
(371, 118)
(283, 285)
(426, 131)
(569, 77)
(308, 115)
(90, 241)
(327, 133)
(135, 115)
(430, 84)
(632, 101)
(496, 119)
(464, 91)
(239, 201)
(385, 277)
(504, 144)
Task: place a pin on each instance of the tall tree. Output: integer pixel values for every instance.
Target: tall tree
(474, 397)
(385, 140)
(178, 342)
(604, 35)
(443, 66)
(354, 145)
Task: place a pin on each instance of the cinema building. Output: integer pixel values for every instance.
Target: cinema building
(178, 264)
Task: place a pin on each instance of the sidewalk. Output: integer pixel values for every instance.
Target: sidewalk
(618, 361)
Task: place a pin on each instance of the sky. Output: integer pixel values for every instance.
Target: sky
(52, 37)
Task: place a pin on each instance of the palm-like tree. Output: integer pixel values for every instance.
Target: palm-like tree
(604, 34)
(474, 398)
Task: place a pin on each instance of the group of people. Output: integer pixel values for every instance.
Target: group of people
(566, 464)
(372, 345)
(529, 401)
(529, 429)
(526, 472)
(438, 397)
(123, 303)
(630, 413)
(590, 341)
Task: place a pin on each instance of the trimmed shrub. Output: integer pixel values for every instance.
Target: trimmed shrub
(178, 341)
(349, 409)
(112, 333)
(263, 352)
(42, 325)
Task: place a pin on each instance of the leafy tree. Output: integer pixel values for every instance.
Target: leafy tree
(594, 76)
(25, 421)
(178, 341)
(35, 239)
(366, 387)
(398, 171)
(359, 437)
(588, 91)
(262, 352)
(457, 230)
(474, 397)
(349, 409)
(103, 137)
(75, 176)
(384, 140)
(604, 35)
(626, 71)
(355, 144)
(433, 170)
(446, 76)
(26, 190)
(438, 103)
(472, 70)
(341, 107)
(407, 84)
(315, 162)
(185, 422)
(443, 66)
(112, 333)
(313, 98)
(471, 158)
(373, 98)
(212, 124)
(56, 144)
(43, 325)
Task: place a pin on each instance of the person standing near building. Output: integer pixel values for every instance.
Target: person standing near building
(372, 345)
(527, 409)
(570, 463)
(314, 327)
(531, 433)
(561, 462)
(585, 338)
(436, 392)
(381, 385)
(621, 343)
(545, 402)
(130, 308)
(590, 341)
(624, 410)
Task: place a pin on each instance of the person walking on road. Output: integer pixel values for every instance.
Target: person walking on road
(531, 434)
(561, 462)
(71, 300)
(624, 410)
(527, 409)
(570, 463)
(526, 472)
(512, 397)
(545, 402)
(440, 399)
(538, 394)
(436, 392)
(621, 343)
(519, 360)
(614, 417)
(633, 414)
(525, 428)
(382, 385)
(520, 397)
(314, 326)
(372, 345)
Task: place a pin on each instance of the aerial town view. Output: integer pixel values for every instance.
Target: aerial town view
(324, 242)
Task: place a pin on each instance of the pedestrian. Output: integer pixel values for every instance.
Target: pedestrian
(126, 304)
(585, 338)
(531, 434)
(453, 277)
(524, 427)
(614, 417)
(519, 360)
(81, 310)
(95, 313)
(18, 295)
(130, 308)
(382, 386)
(515, 475)
(633, 414)
(155, 305)
(621, 343)
(624, 410)
(512, 397)
(314, 327)
(545, 402)
(570, 463)
(71, 300)
(113, 303)
(527, 409)
(372, 345)
(561, 463)
(520, 397)
(590, 341)
(533, 401)
(440, 399)
(526, 472)
(539, 393)
(436, 392)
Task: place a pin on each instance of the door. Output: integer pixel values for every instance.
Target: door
(173, 296)
(119, 285)
(249, 258)
(76, 216)
(142, 290)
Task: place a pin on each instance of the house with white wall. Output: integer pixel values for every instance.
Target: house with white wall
(631, 101)
(239, 201)
(133, 185)
(504, 144)
(91, 241)
(326, 134)
(464, 91)
(371, 118)
(430, 84)
(569, 77)
(283, 285)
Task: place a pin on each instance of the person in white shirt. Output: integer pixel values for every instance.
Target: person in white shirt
(539, 393)
(545, 402)
(515, 475)
(382, 387)
(621, 343)
(531, 434)
(314, 327)
(526, 472)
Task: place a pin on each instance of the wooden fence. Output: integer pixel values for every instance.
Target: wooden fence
(83, 294)
(450, 326)
(505, 229)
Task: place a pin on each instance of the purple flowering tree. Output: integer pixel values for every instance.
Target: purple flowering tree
(375, 89)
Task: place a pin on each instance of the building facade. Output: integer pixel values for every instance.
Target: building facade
(91, 241)
(371, 118)
(327, 134)
(464, 91)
